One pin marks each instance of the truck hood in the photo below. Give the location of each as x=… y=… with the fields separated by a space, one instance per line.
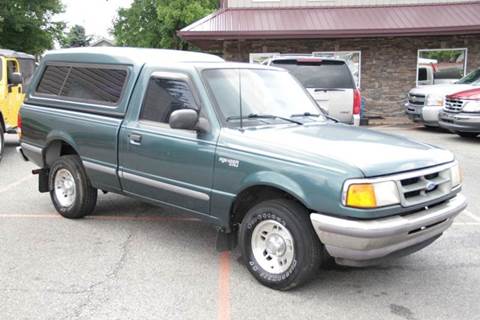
x=374 y=153
x=439 y=89
x=472 y=94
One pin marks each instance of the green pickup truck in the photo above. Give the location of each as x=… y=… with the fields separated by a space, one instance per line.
x=243 y=147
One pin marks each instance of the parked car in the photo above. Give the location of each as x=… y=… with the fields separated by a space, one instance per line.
x=425 y=103
x=241 y=146
x=329 y=81
x=461 y=113
x=16 y=69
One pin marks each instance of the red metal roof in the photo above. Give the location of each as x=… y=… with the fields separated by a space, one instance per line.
x=334 y=22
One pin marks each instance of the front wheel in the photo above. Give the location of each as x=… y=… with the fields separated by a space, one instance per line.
x=279 y=244
x=468 y=134
x=71 y=191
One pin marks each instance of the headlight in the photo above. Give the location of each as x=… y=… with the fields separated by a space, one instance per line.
x=456 y=175
x=472 y=106
x=371 y=195
x=434 y=100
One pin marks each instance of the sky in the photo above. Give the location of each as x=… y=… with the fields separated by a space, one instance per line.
x=95 y=15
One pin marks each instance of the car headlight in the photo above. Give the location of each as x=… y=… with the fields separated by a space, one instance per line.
x=370 y=195
x=456 y=175
x=434 y=100
x=471 y=106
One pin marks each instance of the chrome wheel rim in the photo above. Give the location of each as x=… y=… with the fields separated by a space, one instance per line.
x=272 y=246
x=65 y=190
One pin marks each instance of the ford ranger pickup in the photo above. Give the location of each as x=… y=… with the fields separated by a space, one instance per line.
x=243 y=147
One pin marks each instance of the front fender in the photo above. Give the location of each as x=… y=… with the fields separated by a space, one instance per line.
x=275 y=180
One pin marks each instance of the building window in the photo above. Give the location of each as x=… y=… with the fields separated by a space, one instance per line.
x=165 y=96
x=437 y=66
x=260 y=58
x=352 y=58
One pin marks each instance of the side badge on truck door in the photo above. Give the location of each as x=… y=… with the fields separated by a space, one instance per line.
x=230 y=162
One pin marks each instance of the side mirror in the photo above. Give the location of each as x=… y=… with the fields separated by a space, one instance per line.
x=186 y=119
x=15 y=78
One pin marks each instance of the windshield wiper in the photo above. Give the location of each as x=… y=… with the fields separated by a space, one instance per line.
x=308 y=114
x=263 y=116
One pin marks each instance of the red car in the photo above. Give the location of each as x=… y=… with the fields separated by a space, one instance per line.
x=461 y=113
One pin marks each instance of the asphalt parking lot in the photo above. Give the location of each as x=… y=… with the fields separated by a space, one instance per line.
x=134 y=261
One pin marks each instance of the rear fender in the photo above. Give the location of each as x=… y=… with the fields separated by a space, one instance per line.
x=53 y=146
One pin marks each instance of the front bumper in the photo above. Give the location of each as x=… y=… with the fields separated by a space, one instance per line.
x=428 y=115
x=361 y=243
x=460 y=122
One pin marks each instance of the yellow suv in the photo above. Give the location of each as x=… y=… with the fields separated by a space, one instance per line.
x=16 y=70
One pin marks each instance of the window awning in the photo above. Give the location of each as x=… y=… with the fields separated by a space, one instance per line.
x=336 y=22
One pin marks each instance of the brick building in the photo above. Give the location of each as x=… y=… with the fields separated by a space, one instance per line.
x=388 y=40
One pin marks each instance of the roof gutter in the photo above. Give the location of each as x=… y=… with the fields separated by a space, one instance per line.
x=310 y=34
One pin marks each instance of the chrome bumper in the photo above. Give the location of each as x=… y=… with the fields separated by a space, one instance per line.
x=461 y=122
x=421 y=113
x=361 y=243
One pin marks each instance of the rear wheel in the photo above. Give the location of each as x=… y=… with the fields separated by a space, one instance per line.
x=71 y=191
x=279 y=245
x=468 y=134
x=2 y=142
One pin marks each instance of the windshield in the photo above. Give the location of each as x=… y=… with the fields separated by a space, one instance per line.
x=471 y=78
x=324 y=74
x=271 y=93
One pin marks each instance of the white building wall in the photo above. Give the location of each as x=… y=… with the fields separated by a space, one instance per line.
x=312 y=3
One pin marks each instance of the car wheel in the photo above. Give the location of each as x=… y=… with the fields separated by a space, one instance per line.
x=279 y=245
x=468 y=134
x=2 y=142
x=70 y=190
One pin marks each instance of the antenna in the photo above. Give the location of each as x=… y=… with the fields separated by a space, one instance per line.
x=240 y=96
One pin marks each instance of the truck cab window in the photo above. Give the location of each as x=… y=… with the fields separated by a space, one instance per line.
x=165 y=96
x=422 y=74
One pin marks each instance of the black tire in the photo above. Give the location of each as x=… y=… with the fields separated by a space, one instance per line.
x=2 y=142
x=308 y=251
x=85 y=196
x=468 y=134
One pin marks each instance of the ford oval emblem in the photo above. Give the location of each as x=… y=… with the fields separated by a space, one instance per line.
x=430 y=186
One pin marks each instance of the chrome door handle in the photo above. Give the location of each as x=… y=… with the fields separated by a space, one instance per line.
x=135 y=139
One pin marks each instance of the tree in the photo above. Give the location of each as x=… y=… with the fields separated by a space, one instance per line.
x=154 y=23
x=75 y=37
x=28 y=26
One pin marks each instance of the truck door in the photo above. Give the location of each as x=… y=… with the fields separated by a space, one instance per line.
x=156 y=162
x=14 y=95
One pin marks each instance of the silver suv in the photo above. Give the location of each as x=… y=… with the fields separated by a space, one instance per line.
x=329 y=82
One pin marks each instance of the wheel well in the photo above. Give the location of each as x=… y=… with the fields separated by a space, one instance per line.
x=56 y=149
x=2 y=122
x=251 y=196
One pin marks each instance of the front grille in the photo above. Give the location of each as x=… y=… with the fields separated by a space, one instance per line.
x=416 y=99
x=424 y=185
x=453 y=105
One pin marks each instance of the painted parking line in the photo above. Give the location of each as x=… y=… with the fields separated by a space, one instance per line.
x=224 y=286
x=113 y=218
x=466 y=223
x=16 y=183
x=471 y=215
